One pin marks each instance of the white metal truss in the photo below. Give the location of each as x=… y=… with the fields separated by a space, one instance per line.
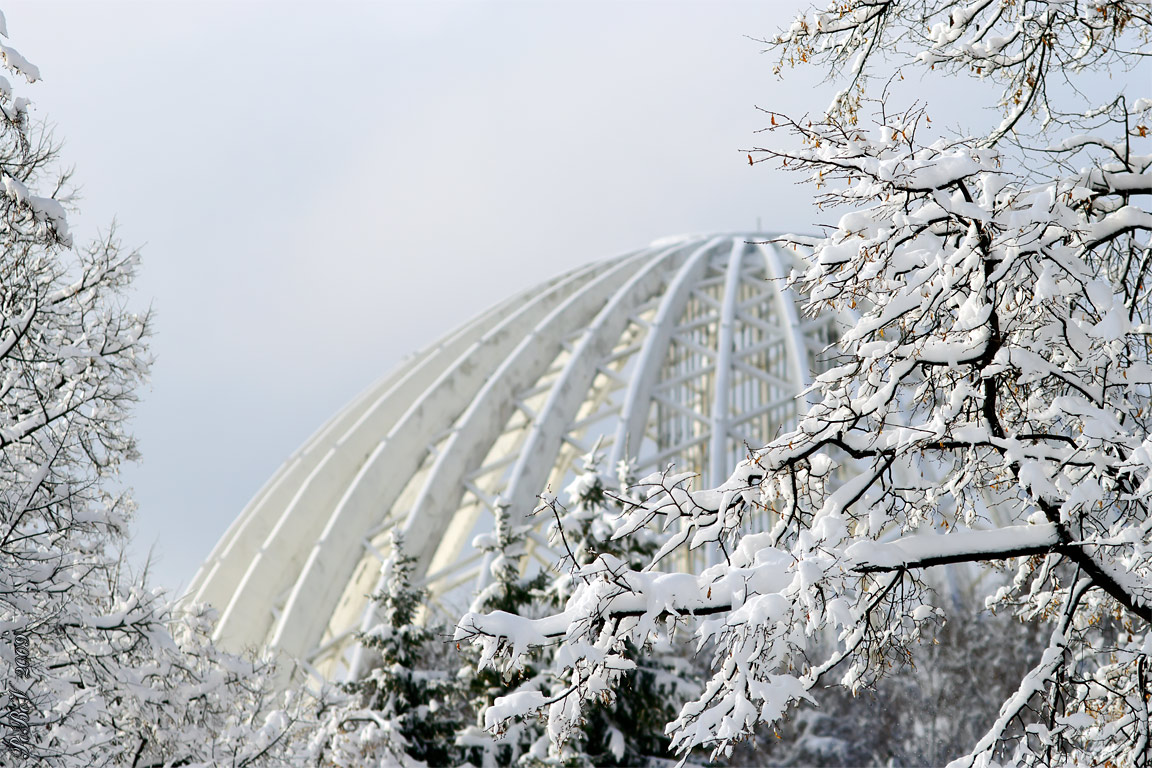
x=681 y=353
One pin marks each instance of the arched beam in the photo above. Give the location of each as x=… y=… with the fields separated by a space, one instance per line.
x=484 y=421
x=786 y=303
x=377 y=485
x=427 y=523
x=218 y=577
x=273 y=569
x=538 y=454
x=718 y=468
x=637 y=401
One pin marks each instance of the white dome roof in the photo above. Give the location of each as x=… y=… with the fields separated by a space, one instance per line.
x=681 y=353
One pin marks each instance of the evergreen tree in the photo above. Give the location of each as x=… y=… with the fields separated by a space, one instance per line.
x=406 y=711
x=625 y=728
x=509 y=591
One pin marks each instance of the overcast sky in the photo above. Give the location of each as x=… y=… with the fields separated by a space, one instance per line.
x=321 y=189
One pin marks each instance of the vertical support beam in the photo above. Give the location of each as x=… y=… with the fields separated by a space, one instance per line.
x=718 y=468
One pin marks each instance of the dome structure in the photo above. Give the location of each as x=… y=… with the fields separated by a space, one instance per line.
x=684 y=352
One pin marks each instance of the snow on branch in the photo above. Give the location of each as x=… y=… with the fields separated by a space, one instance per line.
x=955 y=547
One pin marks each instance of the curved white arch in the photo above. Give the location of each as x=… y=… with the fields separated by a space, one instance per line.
x=718 y=465
x=630 y=431
x=534 y=461
x=396 y=457
x=485 y=418
x=273 y=567
x=230 y=558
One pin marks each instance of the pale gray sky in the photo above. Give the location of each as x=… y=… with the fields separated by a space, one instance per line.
x=320 y=189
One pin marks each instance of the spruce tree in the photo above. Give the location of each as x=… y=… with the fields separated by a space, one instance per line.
x=406 y=711
x=626 y=728
x=511 y=592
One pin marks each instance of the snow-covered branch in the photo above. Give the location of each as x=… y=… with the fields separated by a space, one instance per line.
x=991 y=402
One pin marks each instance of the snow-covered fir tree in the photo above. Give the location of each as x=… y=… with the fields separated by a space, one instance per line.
x=407 y=710
x=624 y=727
x=990 y=405
x=508 y=590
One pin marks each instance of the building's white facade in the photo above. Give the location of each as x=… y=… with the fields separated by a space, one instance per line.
x=682 y=352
